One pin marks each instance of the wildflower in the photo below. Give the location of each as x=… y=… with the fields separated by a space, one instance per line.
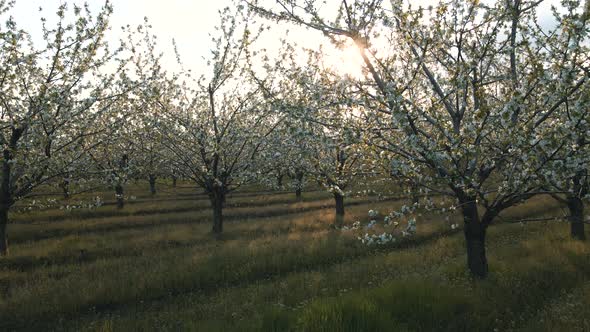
x=382 y=239
x=411 y=229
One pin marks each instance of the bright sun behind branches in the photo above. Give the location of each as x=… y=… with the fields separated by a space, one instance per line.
x=346 y=61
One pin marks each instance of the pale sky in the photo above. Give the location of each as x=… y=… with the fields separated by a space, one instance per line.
x=187 y=21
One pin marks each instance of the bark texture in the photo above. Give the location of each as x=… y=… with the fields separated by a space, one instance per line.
x=339 y=219
x=576 y=218
x=3 y=235
x=217 y=198
x=119 y=194
x=475 y=236
x=152 y=179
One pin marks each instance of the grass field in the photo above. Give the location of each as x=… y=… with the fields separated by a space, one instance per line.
x=279 y=266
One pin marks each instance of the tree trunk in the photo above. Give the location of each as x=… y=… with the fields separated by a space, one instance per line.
x=475 y=235
x=173 y=181
x=298 y=194
x=6 y=200
x=3 y=235
x=576 y=218
x=299 y=185
x=119 y=194
x=152 y=184
x=217 y=198
x=575 y=203
x=414 y=193
x=65 y=187
x=280 y=181
x=123 y=167
x=339 y=219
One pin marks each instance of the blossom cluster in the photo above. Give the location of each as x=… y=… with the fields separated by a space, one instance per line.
x=95 y=203
x=411 y=229
x=355 y=225
x=373 y=214
x=374 y=239
x=39 y=205
x=385 y=237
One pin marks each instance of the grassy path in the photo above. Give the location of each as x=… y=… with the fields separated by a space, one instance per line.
x=438 y=260
x=279 y=266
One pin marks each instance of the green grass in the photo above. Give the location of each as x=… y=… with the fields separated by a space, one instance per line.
x=279 y=266
x=511 y=298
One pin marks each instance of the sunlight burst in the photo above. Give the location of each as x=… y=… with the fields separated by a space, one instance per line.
x=346 y=61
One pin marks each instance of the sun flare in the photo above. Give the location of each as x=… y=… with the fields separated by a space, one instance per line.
x=346 y=61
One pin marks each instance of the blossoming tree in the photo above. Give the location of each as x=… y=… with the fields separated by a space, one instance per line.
x=217 y=124
x=50 y=96
x=323 y=134
x=457 y=91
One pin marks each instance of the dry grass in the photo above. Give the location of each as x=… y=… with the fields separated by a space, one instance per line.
x=279 y=266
